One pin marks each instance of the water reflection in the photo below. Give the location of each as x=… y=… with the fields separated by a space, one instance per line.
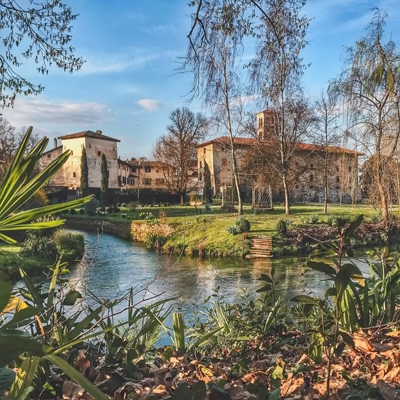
x=112 y=266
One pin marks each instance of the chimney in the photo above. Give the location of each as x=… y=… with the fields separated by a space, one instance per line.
x=99 y=132
x=55 y=142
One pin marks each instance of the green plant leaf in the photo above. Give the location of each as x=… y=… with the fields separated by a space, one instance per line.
x=24 y=378
x=77 y=377
x=71 y=298
x=352 y=227
x=274 y=395
x=14 y=342
x=321 y=267
x=341 y=282
x=5 y=294
x=304 y=299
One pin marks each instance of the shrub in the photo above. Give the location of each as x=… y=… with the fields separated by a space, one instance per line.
x=123 y=204
x=133 y=205
x=69 y=244
x=155 y=241
x=147 y=215
x=116 y=209
x=233 y=230
x=82 y=211
x=332 y=220
x=39 y=246
x=243 y=224
x=314 y=219
x=92 y=206
x=39 y=199
x=110 y=210
x=118 y=205
x=72 y=211
x=281 y=228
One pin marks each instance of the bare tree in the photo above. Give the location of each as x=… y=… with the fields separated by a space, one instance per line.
x=327 y=132
x=40 y=31
x=370 y=87
x=276 y=72
x=213 y=56
x=176 y=152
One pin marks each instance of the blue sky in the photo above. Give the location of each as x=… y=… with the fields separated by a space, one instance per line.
x=129 y=83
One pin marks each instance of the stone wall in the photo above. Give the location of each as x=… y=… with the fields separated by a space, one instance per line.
x=121 y=229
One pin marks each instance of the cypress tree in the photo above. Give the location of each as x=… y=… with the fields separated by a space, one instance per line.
x=104 y=178
x=207 y=191
x=84 y=173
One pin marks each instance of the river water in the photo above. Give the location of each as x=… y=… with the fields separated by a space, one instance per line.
x=111 y=266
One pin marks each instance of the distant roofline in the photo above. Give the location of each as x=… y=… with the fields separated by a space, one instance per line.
x=301 y=146
x=54 y=148
x=88 y=134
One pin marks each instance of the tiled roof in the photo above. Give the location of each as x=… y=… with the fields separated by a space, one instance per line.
x=51 y=150
x=225 y=140
x=88 y=134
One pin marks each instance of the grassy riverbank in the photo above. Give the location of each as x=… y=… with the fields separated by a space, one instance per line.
x=11 y=260
x=198 y=231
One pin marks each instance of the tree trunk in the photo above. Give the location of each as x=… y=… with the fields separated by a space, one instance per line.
x=230 y=129
x=384 y=202
x=326 y=185
x=182 y=198
x=286 y=191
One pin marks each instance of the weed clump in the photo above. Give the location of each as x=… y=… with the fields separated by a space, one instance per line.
x=281 y=228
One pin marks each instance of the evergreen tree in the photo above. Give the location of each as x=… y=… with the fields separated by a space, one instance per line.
x=84 y=173
x=104 y=178
x=207 y=192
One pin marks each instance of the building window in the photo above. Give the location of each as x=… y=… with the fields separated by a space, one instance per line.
x=311 y=178
x=160 y=181
x=260 y=122
x=311 y=166
x=133 y=169
x=224 y=162
x=113 y=148
x=146 y=181
x=200 y=176
x=49 y=155
x=124 y=180
x=90 y=146
x=131 y=181
x=99 y=153
x=200 y=164
x=337 y=179
x=337 y=169
x=74 y=174
x=147 y=170
x=71 y=153
x=350 y=168
x=204 y=150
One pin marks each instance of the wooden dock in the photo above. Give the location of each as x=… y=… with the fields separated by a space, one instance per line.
x=261 y=247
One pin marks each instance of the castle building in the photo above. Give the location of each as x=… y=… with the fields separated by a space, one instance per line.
x=96 y=144
x=307 y=174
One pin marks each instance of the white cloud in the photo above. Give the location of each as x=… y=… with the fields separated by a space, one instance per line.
x=149 y=104
x=42 y=113
x=131 y=59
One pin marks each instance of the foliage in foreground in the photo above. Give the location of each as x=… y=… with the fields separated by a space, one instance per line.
x=271 y=350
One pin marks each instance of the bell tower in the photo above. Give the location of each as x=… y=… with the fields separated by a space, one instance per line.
x=265 y=124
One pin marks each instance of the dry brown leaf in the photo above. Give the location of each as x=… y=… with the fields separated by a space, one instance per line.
x=362 y=343
x=290 y=386
x=395 y=334
x=82 y=363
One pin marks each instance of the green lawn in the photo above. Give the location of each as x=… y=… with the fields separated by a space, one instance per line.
x=11 y=261
x=196 y=228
